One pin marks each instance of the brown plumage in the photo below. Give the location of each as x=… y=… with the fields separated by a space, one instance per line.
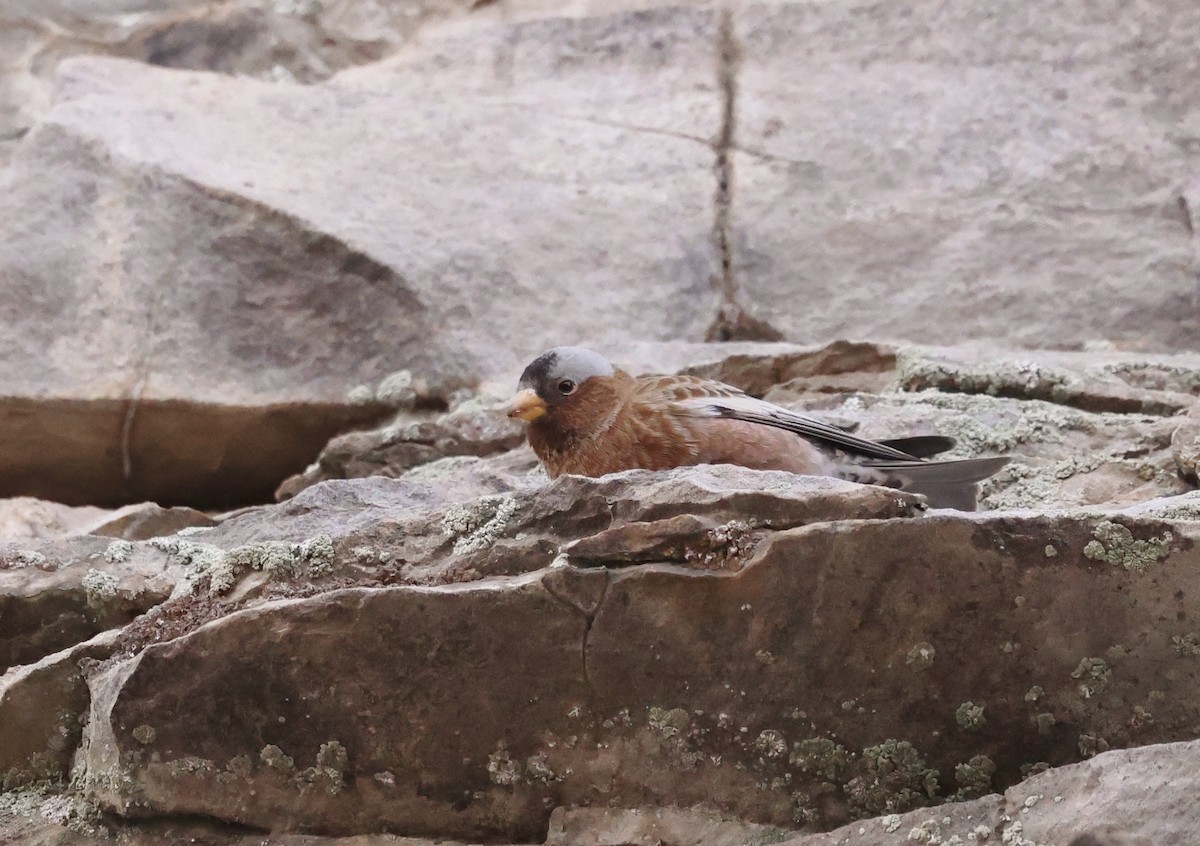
x=588 y=418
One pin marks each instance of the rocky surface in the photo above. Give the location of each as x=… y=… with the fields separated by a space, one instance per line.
x=259 y=250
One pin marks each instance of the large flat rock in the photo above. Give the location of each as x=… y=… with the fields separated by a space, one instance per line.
x=848 y=668
x=942 y=172
x=553 y=165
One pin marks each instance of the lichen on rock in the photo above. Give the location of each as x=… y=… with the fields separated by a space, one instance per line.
x=1115 y=544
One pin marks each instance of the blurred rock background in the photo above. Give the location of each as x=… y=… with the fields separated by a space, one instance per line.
x=263 y=250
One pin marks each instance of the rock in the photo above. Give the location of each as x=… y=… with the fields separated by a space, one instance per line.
x=266 y=39
x=377 y=532
x=1027 y=405
x=155 y=393
x=975 y=821
x=932 y=657
x=26 y=518
x=148 y=520
x=1126 y=797
x=475 y=428
x=41 y=706
x=652 y=826
x=940 y=173
x=55 y=594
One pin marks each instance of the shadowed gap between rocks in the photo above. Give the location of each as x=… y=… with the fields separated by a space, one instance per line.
x=179 y=453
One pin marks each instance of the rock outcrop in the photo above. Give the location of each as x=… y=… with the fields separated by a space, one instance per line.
x=274 y=568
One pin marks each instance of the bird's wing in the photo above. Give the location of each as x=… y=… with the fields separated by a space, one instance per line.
x=691 y=400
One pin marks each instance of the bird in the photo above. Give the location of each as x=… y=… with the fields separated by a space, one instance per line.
x=586 y=417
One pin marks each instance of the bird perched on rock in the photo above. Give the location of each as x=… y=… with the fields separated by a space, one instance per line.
x=588 y=418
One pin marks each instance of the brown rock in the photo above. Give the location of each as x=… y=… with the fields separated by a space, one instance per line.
x=56 y=594
x=784 y=693
x=653 y=826
x=41 y=710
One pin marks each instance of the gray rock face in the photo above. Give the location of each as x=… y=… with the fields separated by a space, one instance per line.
x=310 y=239
x=941 y=173
x=171 y=189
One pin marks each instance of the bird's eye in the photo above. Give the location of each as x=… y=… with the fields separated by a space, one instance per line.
x=566 y=386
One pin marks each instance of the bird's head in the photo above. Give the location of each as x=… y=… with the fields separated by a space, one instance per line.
x=557 y=383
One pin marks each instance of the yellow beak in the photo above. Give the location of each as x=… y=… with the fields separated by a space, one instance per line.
x=527 y=405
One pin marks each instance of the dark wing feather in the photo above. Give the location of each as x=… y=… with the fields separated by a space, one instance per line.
x=735 y=405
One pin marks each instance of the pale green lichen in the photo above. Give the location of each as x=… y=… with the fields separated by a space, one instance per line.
x=118 y=552
x=191 y=765
x=29 y=558
x=970 y=716
x=502 y=769
x=1115 y=544
x=330 y=770
x=537 y=768
x=241 y=766
x=1187 y=645
x=1183 y=507
x=280 y=560
x=822 y=758
x=274 y=757
x=48 y=802
x=1090 y=745
x=916 y=370
x=974 y=777
x=895 y=779
x=477 y=525
x=1043 y=722
x=144 y=734
x=771 y=743
x=1050 y=551
x=397 y=390
x=921 y=656
x=1094 y=675
x=668 y=723
x=99 y=586
x=1035 y=693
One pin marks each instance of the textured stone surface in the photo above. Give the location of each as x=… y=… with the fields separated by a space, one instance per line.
x=932 y=655
x=42 y=706
x=939 y=172
x=169 y=190
x=55 y=594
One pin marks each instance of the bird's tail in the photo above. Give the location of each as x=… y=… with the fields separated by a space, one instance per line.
x=946 y=484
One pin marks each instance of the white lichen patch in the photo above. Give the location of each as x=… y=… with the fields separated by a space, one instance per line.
x=668 y=722
x=970 y=716
x=144 y=734
x=29 y=558
x=502 y=769
x=63 y=809
x=920 y=656
x=477 y=525
x=1025 y=379
x=537 y=768
x=274 y=757
x=397 y=390
x=118 y=552
x=1115 y=544
x=771 y=743
x=1094 y=675
x=99 y=586
x=280 y=560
